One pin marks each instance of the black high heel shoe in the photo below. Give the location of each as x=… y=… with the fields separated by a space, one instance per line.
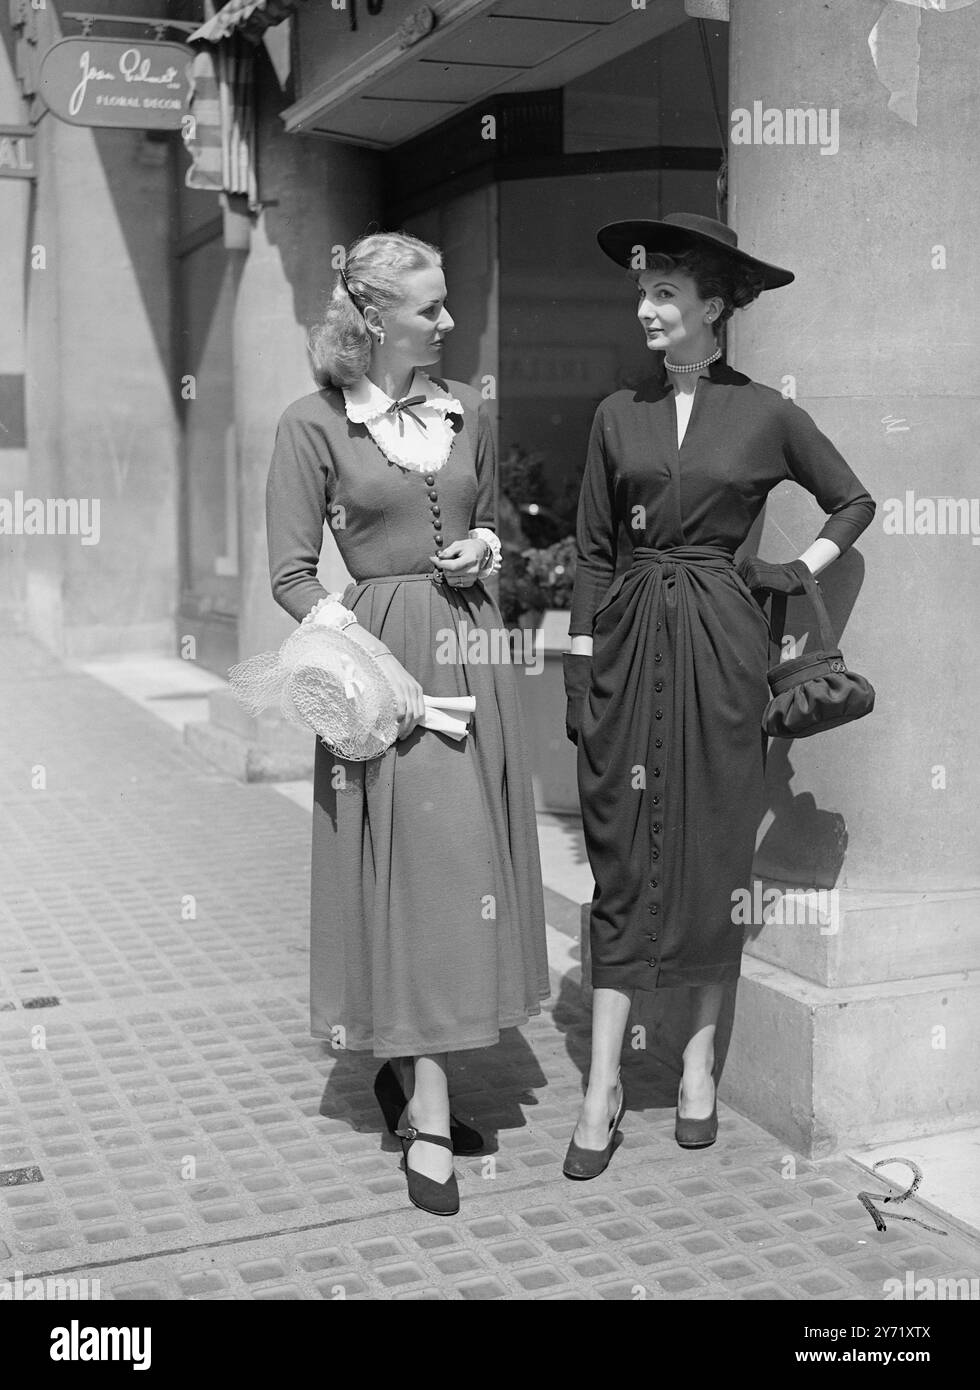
x=697 y=1134
x=589 y=1163
x=437 y=1198
x=391 y=1098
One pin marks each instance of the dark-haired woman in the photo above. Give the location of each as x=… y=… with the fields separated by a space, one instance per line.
x=427 y=921
x=666 y=678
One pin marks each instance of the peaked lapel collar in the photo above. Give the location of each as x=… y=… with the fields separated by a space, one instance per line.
x=655 y=397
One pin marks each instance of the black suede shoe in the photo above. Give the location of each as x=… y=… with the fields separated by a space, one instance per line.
x=697 y=1134
x=391 y=1098
x=437 y=1198
x=589 y=1163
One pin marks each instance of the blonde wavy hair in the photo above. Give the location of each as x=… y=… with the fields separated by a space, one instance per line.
x=339 y=345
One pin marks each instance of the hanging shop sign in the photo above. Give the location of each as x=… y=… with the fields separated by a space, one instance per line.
x=114 y=82
x=17 y=152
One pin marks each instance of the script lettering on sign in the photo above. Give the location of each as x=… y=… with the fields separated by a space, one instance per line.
x=133 y=67
x=114 y=82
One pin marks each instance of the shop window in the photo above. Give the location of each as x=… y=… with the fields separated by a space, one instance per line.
x=568 y=337
x=568 y=333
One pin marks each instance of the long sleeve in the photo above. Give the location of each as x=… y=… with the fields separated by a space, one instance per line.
x=484 y=510
x=813 y=461
x=484 y=519
x=597 y=532
x=297 y=496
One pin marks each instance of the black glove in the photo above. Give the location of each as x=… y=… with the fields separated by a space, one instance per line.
x=761 y=576
x=577 y=671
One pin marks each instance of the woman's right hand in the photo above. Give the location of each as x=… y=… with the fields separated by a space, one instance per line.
x=577 y=670
x=409 y=696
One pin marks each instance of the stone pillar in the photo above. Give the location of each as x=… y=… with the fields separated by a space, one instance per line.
x=860 y=1024
x=101 y=422
x=318 y=194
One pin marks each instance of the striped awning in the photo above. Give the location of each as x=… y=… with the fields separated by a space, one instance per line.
x=220 y=134
x=250 y=18
x=220 y=130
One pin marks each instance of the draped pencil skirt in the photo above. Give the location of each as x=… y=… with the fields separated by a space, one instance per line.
x=671 y=765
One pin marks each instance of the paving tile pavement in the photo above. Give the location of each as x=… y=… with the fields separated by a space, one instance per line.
x=168 y=1127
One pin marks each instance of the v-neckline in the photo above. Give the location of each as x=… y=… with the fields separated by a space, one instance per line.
x=679 y=443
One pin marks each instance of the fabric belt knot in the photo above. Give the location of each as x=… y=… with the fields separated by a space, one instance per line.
x=669 y=559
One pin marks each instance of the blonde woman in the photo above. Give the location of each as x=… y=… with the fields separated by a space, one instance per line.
x=427 y=919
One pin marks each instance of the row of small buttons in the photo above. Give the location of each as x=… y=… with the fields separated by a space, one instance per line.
x=434 y=507
x=656 y=827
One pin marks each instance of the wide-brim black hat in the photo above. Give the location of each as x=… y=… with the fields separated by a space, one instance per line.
x=682 y=231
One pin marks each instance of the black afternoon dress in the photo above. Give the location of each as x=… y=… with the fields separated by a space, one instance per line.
x=671 y=757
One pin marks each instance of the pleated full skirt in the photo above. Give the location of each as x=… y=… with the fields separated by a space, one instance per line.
x=427 y=916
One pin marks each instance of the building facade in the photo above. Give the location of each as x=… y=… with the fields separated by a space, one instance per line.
x=154 y=332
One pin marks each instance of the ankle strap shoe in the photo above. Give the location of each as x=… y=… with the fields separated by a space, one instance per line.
x=437 y=1198
x=391 y=1098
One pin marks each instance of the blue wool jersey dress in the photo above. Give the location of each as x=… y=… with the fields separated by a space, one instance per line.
x=427 y=915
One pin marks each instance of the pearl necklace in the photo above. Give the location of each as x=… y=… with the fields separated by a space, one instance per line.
x=692 y=366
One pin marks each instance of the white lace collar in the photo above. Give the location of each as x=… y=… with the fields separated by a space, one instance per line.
x=419 y=437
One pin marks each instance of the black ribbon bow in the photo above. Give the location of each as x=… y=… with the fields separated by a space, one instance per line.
x=404 y=407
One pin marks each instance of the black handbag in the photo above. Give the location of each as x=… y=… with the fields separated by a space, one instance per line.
x=815 y=691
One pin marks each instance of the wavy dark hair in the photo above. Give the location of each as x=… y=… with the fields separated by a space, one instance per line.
x=339 y=346
x=715 y=275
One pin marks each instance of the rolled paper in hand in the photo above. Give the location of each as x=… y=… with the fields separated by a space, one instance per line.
x=458 y=702
x=443 y=723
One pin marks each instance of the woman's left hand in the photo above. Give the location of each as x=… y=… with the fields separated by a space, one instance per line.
x=461 y=562
x=762 y=577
